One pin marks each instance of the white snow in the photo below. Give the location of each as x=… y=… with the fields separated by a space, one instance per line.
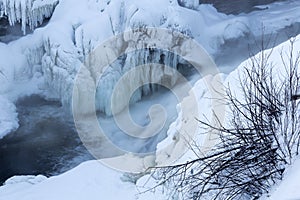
x=288 y=188
x=90 y=180
x=8 y=117
x=179 y=134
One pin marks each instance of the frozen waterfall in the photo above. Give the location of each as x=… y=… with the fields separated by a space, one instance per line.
x=153 y=72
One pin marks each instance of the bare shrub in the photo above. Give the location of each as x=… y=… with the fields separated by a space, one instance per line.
x=259 y=140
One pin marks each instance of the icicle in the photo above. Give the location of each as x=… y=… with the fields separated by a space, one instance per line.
x=152 y=73
x=28 y=12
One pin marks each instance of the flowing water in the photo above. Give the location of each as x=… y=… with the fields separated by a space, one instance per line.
x=46 y=141
x=238 y=6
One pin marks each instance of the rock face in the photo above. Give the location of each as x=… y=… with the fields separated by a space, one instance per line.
x=3 y=25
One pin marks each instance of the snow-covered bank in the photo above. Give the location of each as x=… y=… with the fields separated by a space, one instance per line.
x=90 y=180
x=279 y=60
x=232 y=81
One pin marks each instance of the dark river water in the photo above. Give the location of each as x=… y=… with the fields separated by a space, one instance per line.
x=46 y=142
x=237 y=6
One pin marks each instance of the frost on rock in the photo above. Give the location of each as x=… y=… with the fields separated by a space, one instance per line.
x=27 y=12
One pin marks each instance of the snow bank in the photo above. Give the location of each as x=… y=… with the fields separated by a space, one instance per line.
x=176 y=145
x=175 y=142
x=90 y=180
x=288 y=188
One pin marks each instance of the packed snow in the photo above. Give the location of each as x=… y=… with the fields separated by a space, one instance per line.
x=90 y=180
x=87 y=181
x=288 y=188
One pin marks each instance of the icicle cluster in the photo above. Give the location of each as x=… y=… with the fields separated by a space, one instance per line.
x=152 y=73
x=27 y=12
